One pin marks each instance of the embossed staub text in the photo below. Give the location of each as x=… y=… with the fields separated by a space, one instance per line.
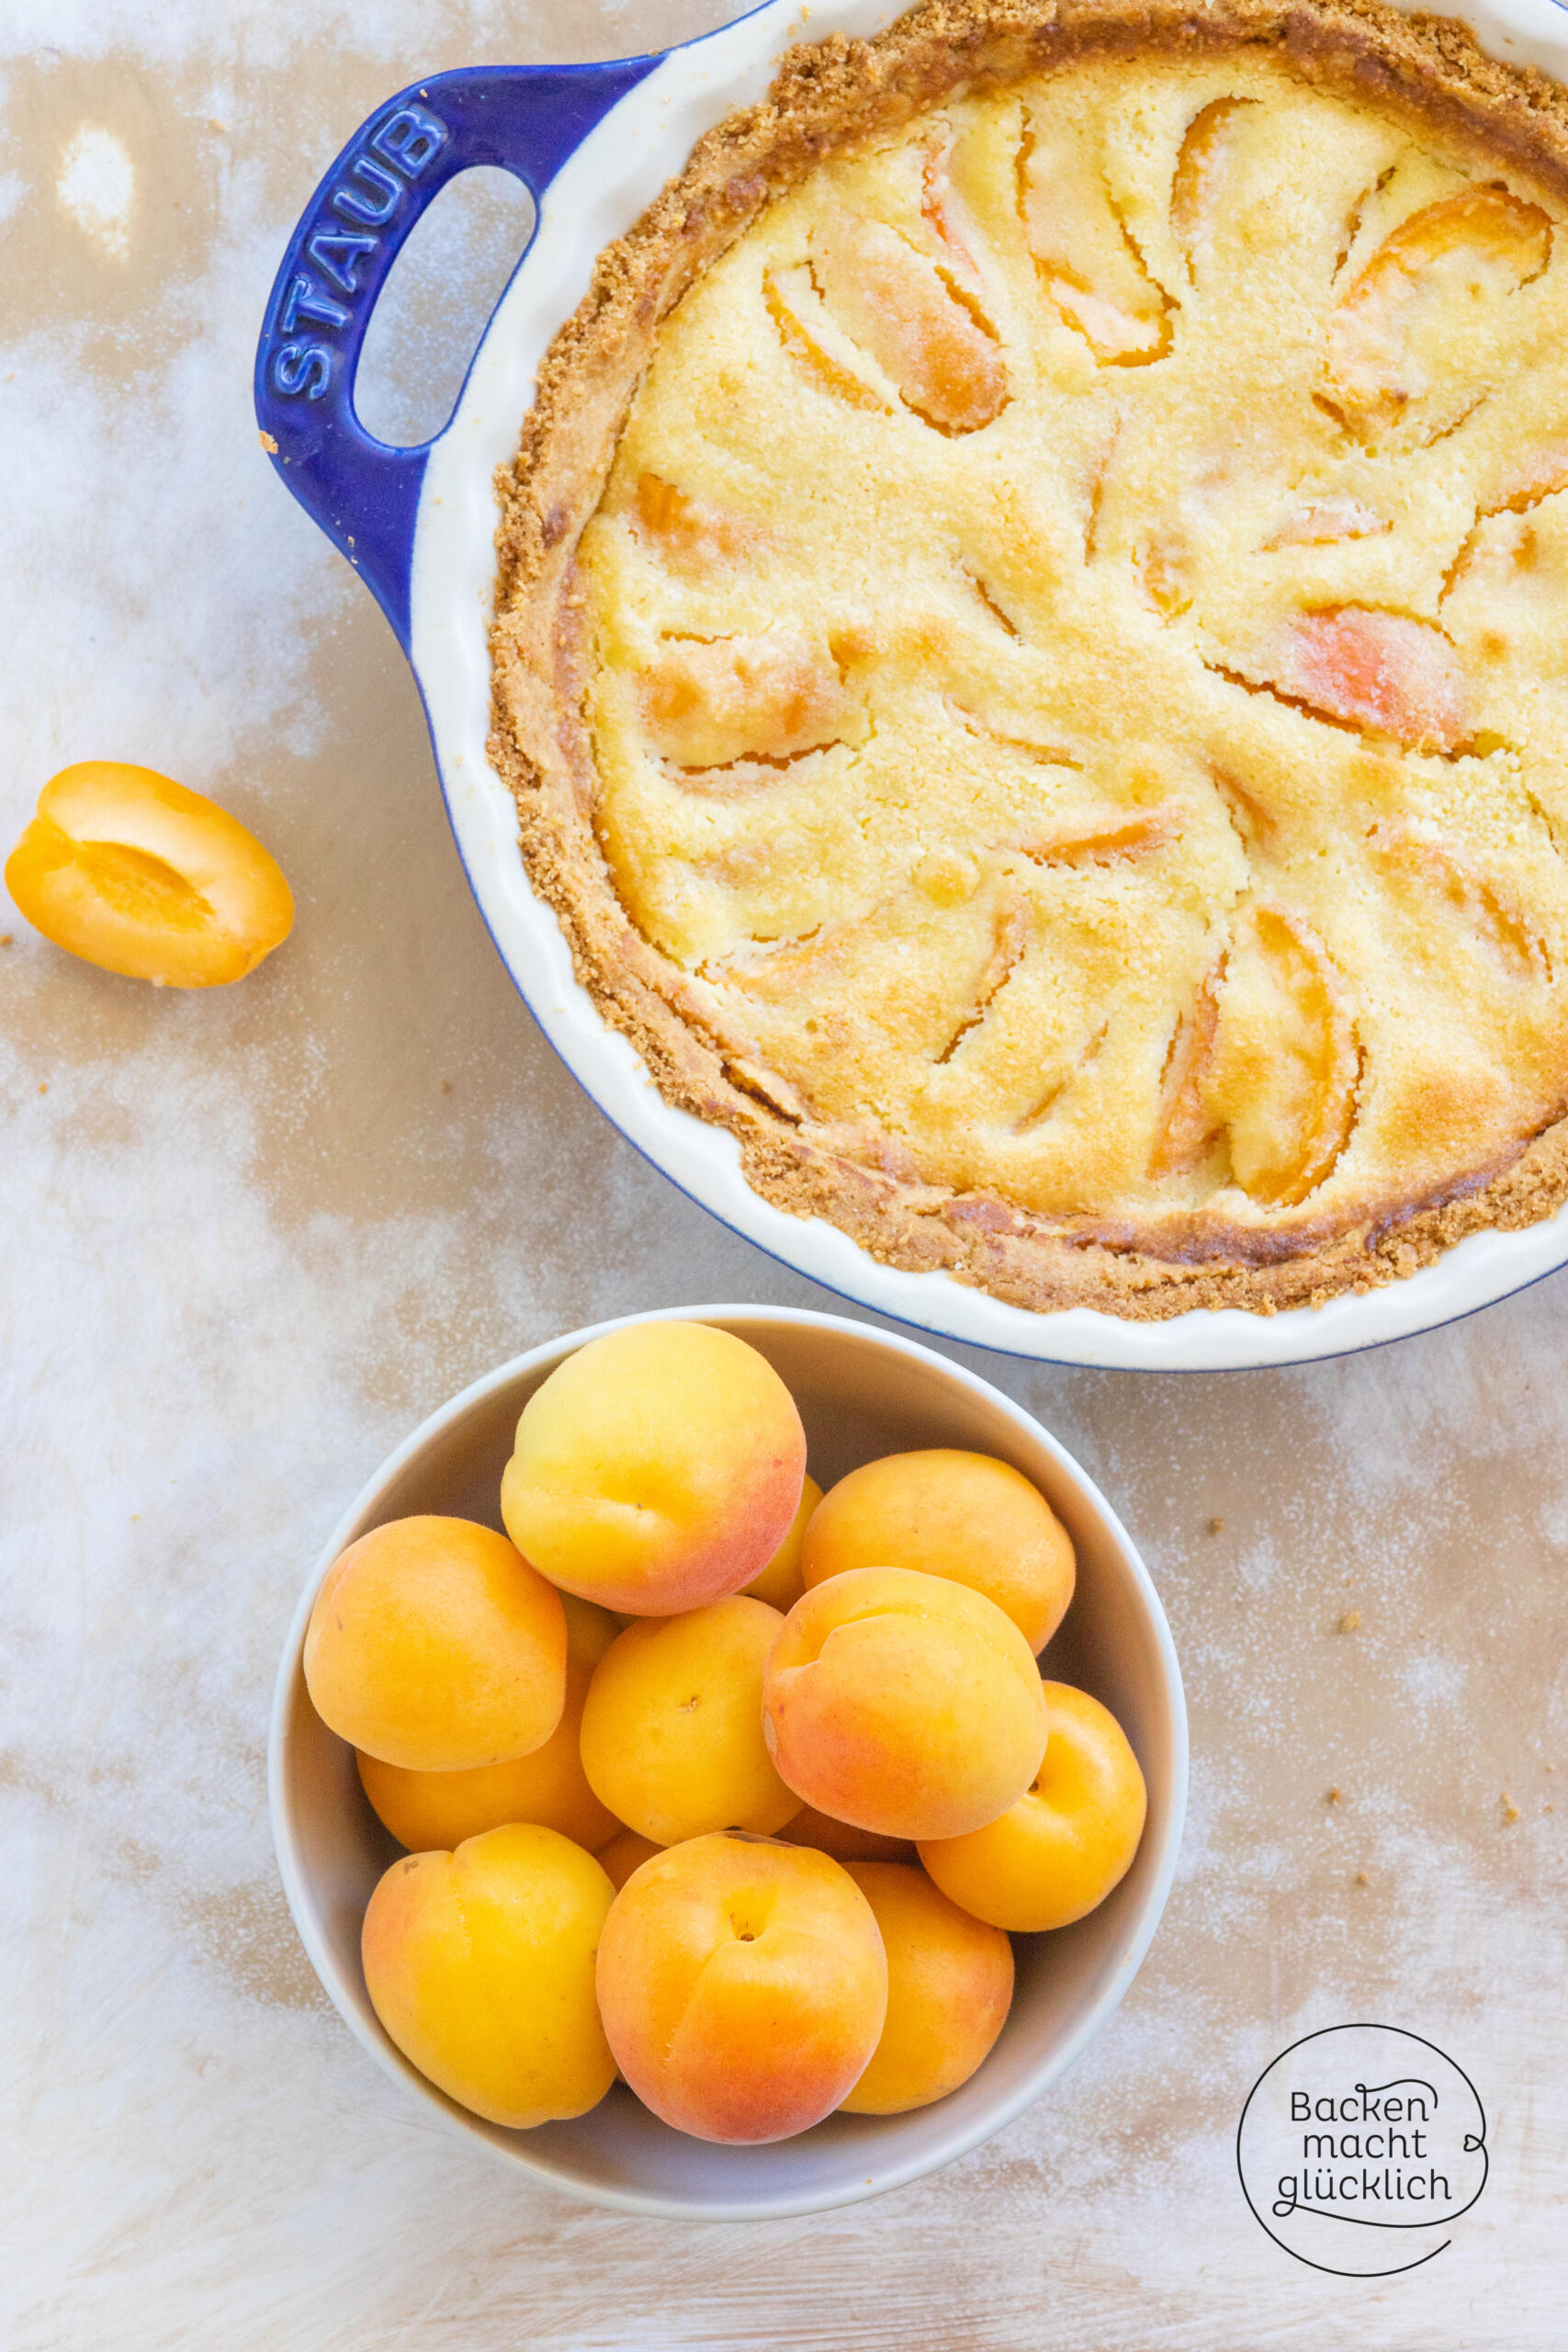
x=317 y=301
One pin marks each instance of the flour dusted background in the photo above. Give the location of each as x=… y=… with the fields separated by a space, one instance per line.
x=252 y=1237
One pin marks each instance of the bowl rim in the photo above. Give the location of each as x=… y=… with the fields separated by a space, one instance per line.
x=888 y=2173
x=618 y=167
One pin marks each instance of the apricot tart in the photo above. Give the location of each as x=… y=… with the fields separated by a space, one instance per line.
x=1032 y=645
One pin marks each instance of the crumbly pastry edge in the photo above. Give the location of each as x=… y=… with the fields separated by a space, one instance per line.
x=827 y=98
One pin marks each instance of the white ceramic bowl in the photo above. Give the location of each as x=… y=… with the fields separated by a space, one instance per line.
x=861 y=1392
x=441 y=602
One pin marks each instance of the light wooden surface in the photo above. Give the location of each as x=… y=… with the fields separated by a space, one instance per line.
x=250 y=1238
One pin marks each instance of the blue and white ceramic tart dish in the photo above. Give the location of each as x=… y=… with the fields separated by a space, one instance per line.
x=595 y=143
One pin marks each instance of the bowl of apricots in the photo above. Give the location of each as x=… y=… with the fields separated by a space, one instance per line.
x=728 y=1762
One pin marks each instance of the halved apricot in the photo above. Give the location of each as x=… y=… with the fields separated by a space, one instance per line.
x=130 y=871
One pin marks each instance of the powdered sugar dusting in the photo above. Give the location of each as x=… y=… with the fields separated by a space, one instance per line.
x=97 y=187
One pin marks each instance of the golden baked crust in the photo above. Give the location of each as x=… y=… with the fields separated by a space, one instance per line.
x=1251 y=996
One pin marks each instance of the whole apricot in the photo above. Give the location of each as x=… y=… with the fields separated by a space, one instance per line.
x=742 y=1985
x=480 y=1965
x=903 y=1704
x=549 y=1788
x=966 y=1516
x=625 y=1853
x=656 y=1469
x=434 y=1645
x=1058 y=1851
x=949 y=1990
x=134 y=873
x=781 y=1583
x=843 y=1841
x=589 y=1631
x=672 y=1729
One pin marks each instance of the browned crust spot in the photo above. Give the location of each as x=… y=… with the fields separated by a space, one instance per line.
x=825 y=99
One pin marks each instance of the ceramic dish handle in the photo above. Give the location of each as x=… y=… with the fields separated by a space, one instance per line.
x=363 y=493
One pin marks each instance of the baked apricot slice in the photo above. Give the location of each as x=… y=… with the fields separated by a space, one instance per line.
x=944 y=213
x=1185 y=1129
x=1012 y=932
x=809 y=335
x=1087 y=262
x=130 y=871
x=1120 y=838
x=1381 y=671
x=709 y=702
x=1385 y=336
x=894 y=304
x=1469 y=895
x=1323 y=521
x=1284 y=1069
x=1211 y=136
x=688 y=532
